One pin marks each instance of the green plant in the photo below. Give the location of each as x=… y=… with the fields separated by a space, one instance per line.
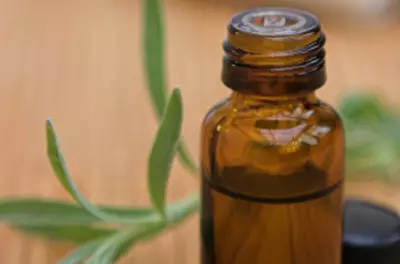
x=370 y=134
x=88 y=225
x=372 y=138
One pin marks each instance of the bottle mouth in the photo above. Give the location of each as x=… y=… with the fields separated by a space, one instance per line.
x=274 y=22
x=274 y=42
x=273 y=37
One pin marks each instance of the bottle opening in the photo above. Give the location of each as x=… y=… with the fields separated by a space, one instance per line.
x=273 y=22
x=274 y=51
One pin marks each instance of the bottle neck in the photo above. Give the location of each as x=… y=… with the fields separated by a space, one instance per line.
x=264 y=82
x=264 y=60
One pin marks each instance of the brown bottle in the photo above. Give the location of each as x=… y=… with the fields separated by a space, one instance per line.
x=272 y=153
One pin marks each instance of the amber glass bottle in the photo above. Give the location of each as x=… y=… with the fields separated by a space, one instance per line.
x=272 y=153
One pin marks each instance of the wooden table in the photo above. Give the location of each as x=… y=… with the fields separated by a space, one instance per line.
x=80 y=63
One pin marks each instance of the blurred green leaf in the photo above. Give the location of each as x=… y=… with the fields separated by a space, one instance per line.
x=154 y=64
x=58 y=163
x=116 y=245
x=50 y=216
x=163 y=151
x=107 y=252
x=63 y=222
x=154 y=57
x=81 y=253
x=113 y=247
x=182 y=210
x=37 y=212
x=376 y=157
x=362 y=107
x=372 y=138
x=393 y=131
x=77 y=234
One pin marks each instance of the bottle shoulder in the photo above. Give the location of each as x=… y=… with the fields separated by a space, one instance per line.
x=274 y=115
x=277 y=140
x=219 y=110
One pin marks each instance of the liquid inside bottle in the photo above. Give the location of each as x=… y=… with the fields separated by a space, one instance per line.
x=272 y=153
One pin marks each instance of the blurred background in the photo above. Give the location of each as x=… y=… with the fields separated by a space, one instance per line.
x=80 y=63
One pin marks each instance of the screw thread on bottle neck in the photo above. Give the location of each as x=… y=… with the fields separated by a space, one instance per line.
x=274 y=52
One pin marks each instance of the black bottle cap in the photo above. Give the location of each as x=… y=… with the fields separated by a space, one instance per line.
x=371 y=234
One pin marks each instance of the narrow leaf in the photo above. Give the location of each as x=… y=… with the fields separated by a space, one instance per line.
x=175 y=216
x=362 y=107
x=154 y=64
x=163 y=151
x=117 y=245
x=180 y=211
x=154 y=60
x=35 y=212
x=105 y=249
x=81 y=253
x=75 y=234
x=59 y=166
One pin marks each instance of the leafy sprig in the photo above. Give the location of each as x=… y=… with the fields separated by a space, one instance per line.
x=106 y=245
x=154 y=64
x=86 y=224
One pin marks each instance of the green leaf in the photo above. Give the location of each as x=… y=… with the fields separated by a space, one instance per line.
x=154 y=60
x=163 y=151
x=62 y=233
x=116 y=246
x=68 y=222
x=81 y=253
x=37 y=212
x=59 y=166
x=154 y=64
x=362 y=107
x=180 y=211
x=107 y=252
x=372 y=138
x=123 y=240
x=175 y=216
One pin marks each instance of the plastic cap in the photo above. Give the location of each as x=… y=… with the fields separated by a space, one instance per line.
x=371 y=234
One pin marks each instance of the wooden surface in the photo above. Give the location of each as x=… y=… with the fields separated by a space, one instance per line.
x=80 y=63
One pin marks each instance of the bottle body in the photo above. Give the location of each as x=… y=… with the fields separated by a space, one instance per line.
x=272 y=181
